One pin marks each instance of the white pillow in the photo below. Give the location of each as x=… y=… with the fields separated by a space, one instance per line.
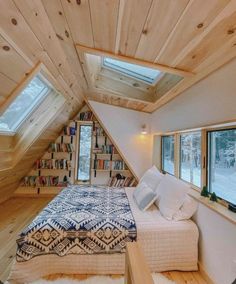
x=152 y=178
x=171 y=195
x=187 y=210
x=144 y=196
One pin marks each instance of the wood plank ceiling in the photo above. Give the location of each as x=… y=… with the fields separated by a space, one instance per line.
x=192 y=35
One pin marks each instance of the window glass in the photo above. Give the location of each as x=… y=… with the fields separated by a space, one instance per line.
x=222 y=163
x=84 y=159
x=146 y=74
x=190 y=158
x=168 y=154
x=23 y=104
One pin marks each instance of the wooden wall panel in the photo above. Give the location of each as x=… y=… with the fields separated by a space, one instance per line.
x=104 y=16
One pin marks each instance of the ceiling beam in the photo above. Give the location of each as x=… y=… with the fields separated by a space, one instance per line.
x=160 y=67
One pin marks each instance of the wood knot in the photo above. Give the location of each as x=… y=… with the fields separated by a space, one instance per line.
x=6 y=48
x=14 y=21
x=199 y=26
x=135 y=84
x=71 y=85
x=67 y=33
x=230 y=31
x=36 y=14
x=60 y=37
x=59 y=65
x=78 y=2
x=145 y=31
x=68 y=1
x=60 y=13
x=194 y=56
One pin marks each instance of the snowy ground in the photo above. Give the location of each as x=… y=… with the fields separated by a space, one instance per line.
x=223 y=183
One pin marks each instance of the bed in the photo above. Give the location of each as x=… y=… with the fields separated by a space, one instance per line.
x=167 y=245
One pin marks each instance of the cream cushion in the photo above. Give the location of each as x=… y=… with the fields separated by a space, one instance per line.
x=171 y=195
x=152 y=178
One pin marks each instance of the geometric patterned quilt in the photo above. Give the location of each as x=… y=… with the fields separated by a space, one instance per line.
x=80 y=220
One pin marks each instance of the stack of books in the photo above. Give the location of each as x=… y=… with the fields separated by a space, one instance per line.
x=102 y=164
x=41 y=181
x=98 y=131
x=122 y=182
x=60 y=164
x=86 y=116
x=70 y=131
x=118 y=165
x=57 y=147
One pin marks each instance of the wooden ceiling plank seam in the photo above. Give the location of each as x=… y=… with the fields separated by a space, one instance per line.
x=79 y=20
x=225 y=13
x=136 y=61
x=7 y=86
x=162 y=50
x=126 y=49
x=104 y=21
x=161 y=19
x=35 y=15
x=12 y=64
x=119 y=25
x=59 y=23
x=222 y=32
x=20 y=87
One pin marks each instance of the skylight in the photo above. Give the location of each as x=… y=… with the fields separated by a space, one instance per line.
x=23 y=105
x=148 y=75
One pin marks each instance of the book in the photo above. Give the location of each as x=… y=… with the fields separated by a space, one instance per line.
x=86 y=116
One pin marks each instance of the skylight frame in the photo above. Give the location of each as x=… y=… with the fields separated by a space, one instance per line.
x=41 y=96
x=131 y=74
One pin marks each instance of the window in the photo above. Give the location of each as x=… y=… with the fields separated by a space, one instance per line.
x=222 y=164
x=145 y=74
x=190 y=158
x=23 y=105
x=168 y=154
x=84 y=159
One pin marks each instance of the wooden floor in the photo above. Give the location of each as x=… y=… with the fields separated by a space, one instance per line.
x=16 y=213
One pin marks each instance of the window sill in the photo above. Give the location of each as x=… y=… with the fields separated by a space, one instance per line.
x=217 y=207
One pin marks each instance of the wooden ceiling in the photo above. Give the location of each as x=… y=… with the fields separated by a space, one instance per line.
x=194 y=36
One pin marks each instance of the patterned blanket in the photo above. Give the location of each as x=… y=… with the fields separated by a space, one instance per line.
x=80 y=220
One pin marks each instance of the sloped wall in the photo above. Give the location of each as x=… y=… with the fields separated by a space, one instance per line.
x=124 y=126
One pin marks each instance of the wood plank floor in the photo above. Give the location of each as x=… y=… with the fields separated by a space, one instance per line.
x=16 y=213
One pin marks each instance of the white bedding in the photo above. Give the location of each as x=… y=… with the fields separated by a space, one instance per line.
x=167 y=245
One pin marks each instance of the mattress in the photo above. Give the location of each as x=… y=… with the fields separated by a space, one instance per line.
x=167 y=245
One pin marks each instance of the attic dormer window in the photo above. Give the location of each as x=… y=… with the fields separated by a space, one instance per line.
x=148 y=75
x=23 y=104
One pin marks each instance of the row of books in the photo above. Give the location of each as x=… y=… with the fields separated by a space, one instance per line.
x=118 y=165
x=60 y=164
x=102 y=164
x=60 y=147
x=69 y=130
x=105 y=149
x=98 y=131
x=122 y=181
x=42 y=181
x=86 y=116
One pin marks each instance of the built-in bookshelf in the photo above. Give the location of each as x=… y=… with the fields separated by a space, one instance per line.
x=55 y=170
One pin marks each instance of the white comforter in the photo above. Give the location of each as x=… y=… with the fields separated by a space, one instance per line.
x=167 y=245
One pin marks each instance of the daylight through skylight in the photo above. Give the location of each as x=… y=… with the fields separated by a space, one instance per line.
x=23 y=105
x=139 y=72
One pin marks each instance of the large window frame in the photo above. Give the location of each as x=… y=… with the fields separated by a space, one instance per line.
x=208 y=157
x=34 y=105
x=79 y=124
x=162 y=153
x=180 y=156
x=204 y=153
